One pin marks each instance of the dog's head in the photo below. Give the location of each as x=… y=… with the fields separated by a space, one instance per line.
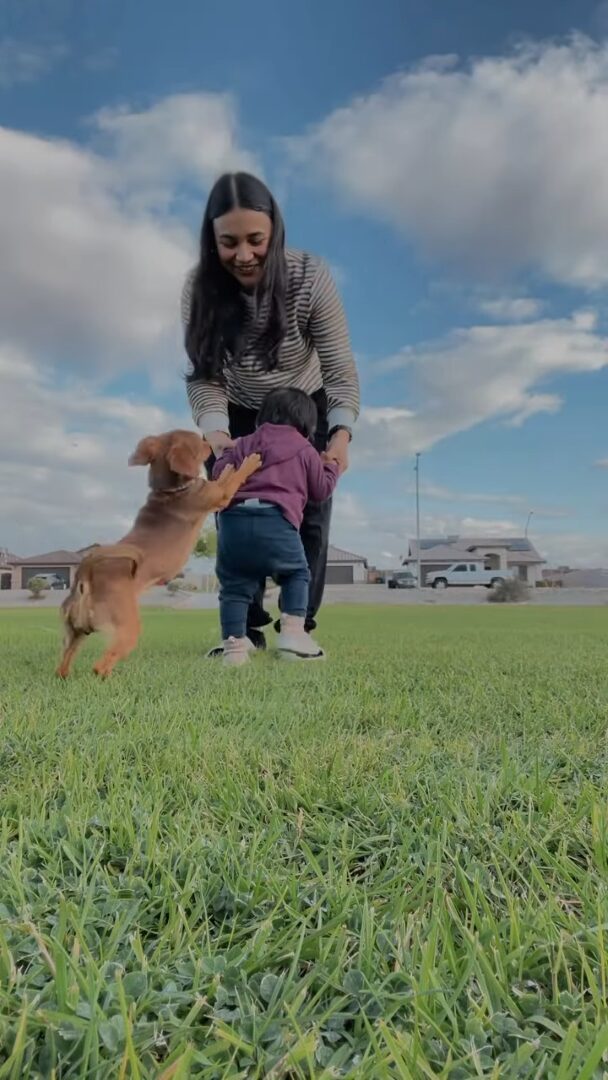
x=174 y=456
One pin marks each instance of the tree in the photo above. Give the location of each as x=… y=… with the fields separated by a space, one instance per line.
x=36 y=586
x=206 y=545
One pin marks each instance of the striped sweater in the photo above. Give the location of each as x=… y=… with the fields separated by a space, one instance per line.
x=315 y=353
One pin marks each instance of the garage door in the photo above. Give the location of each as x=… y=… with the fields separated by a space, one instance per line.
x=339 y=574
x=429 y=568
x=29 y=572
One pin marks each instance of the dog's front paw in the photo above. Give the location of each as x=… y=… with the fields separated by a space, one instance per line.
x=252 y=463
x=226 y=472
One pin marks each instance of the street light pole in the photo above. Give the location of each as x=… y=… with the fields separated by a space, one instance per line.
x=530 y=515
x=417 y=471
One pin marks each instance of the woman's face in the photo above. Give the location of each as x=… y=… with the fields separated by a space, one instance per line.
x=242 y=238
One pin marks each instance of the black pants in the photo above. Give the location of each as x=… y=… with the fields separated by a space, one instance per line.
x=315 y=526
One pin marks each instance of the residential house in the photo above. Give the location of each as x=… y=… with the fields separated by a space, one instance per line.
x=8 y=562
x=345 y=568
x=516 y=554
x=16 y=571
x=567 y=578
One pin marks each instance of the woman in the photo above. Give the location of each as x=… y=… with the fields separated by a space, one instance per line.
x=258 y=316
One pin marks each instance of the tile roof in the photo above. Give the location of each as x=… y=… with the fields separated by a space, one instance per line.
x=335 y=554
x=52 y=558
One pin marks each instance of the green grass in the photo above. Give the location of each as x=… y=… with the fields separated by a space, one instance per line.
x=391 y=865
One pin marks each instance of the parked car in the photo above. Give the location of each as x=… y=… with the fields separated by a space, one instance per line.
x=402 y=579
x=52 y=581
x=466 y=574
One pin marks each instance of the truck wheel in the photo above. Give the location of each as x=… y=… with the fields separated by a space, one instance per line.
x=440 y=583
x=496 y=581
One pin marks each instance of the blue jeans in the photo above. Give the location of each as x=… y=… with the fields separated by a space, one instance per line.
x=256 y=542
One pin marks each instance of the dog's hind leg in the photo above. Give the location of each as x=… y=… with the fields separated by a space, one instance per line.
x=72 y=642
x=125 y=636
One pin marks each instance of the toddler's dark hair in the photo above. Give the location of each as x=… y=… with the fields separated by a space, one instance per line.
x=286 y=405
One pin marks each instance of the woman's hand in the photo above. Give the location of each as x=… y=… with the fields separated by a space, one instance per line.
x=219 y=441
x=337 y=450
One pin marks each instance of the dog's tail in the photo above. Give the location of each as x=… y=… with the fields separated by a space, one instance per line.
x=78 y=609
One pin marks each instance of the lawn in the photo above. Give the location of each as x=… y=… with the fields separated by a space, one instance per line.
x=391 y=865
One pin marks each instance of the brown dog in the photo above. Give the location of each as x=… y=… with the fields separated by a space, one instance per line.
x=110 y=579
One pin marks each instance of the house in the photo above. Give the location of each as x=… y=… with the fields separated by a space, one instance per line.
x=7 y=569
x=568 y=578
x=492 y=552
x=345 y=568
x=16 y=572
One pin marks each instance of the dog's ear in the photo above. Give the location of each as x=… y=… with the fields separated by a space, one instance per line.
x=206 y=450
x=185 y=456
x=146 y=451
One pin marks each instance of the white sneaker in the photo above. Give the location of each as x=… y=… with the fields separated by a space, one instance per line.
x=217 y=652
x=236 y=651
x=294 y=643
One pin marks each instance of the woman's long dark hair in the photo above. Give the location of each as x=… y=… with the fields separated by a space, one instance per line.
x=216 y=309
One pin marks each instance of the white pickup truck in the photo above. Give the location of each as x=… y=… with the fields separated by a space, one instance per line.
x=462 y=574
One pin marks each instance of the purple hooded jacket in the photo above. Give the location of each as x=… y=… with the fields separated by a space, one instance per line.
x=292 y=472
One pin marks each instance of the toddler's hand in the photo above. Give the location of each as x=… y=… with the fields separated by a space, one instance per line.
x=338 y=458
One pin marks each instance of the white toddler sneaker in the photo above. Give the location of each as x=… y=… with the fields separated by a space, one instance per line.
x=236 y=651
x=294 y=643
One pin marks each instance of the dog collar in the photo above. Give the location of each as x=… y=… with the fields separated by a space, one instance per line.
x=179 y=489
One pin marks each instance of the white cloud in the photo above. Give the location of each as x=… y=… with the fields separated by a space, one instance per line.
x=24 y=62
x=511 y=309
x=90 y=279
x=378 y=536
x=602 y=463
x=380 y=533
x=575 y=549
x=89 y=272
x=473 y=526
x=521 y=503
x=498 y=164
x=478 y=374
x=375 y=530
x=64 y=480
x=83 y=279
x=184 y=138
x=384 y=433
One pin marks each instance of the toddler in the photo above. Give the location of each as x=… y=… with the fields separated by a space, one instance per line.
x=258 y=534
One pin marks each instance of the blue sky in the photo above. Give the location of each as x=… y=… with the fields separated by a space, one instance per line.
x=450 y=169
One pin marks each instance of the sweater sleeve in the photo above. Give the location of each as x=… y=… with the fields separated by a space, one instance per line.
x=322 y=476
x=208 y=400
x=331 y=339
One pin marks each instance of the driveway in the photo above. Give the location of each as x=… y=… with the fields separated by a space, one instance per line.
x=337 y=594
x=380 y=594
x=156 y=598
